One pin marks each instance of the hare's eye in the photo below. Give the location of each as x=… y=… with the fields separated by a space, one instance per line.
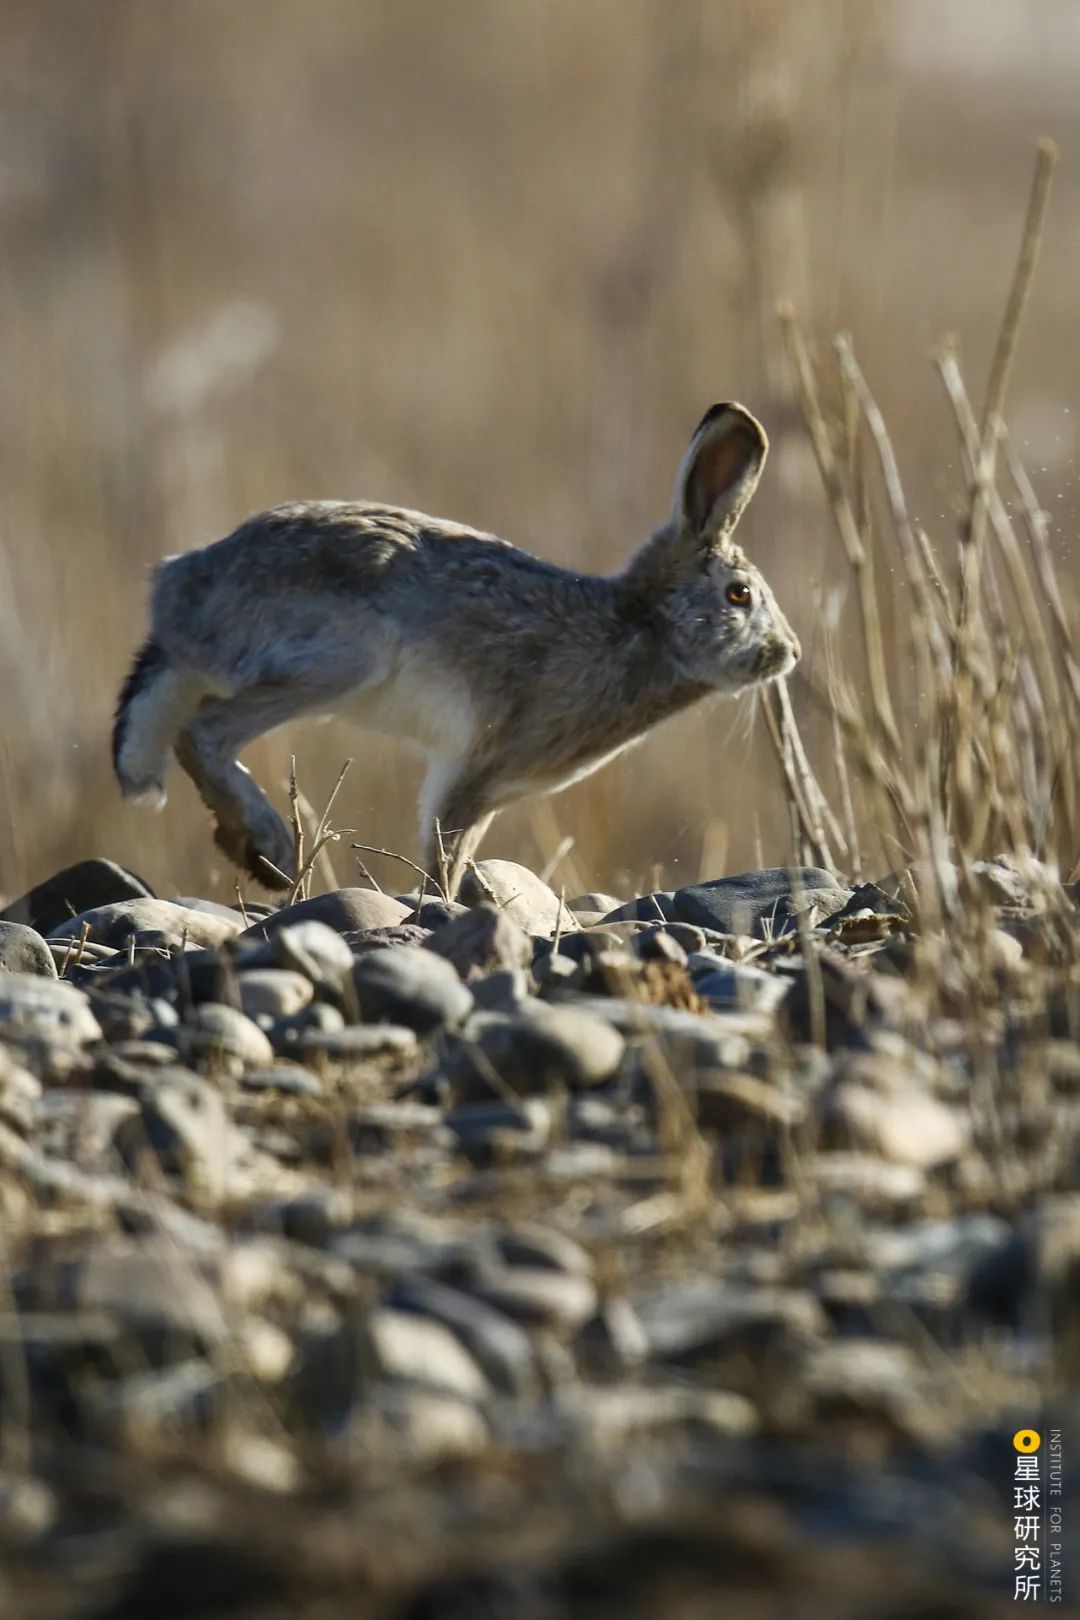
x=738 y=594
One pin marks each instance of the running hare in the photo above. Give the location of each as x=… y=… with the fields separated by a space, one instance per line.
x=514 y=676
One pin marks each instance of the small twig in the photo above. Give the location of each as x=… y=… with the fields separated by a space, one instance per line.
x=392 y=855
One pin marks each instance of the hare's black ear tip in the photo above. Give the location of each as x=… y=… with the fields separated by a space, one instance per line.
x=730 y=409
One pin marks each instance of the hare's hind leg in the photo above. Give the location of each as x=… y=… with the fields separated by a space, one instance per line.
x=249 y=830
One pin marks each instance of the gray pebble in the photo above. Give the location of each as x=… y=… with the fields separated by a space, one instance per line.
x=526 y=899
x=271 y=993
x=160 y=921
x=421 y=1350
x=409 y=987
x=23 y=950
x=482 y=941
x=342 y=910
x=38 y=1009
x=183 y=1126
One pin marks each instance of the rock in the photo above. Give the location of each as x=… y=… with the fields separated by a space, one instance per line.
x=404 y=1425
x=128 y=1017
x=502 y=992
x=155 y=921
x=492 y=1131
x=37 y=1009
x=659 y=944
x=737 y=1102
x=876 y=1104
x=705 y=1320
x=763 y=903
x=77 y=889
x=533 y=1050
x=376 y=939
x=214 y=908
x=222 y=1037
x=611 y=1416
x=313 y=949
x=409 y=987
x=272 y=992
x=865 y=1382
x=22 y=950
x=165 y=1296
x=685 y=1041
x=736 y=985
x=604 y=904
x=542 y=1248
x=433 y=914
x=658 y=907
x=513 y=889
x=360 y=1043
x=499 y=1346
x=872 y=899
x=183 y=1126
x=866 y=1180
x=537 y=1296
x=482 y=941
x=420 y=1350
x=20 y=1094
x=343 y=910
x=288 y=1079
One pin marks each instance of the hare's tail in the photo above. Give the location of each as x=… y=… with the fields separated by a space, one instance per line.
x=154 y=702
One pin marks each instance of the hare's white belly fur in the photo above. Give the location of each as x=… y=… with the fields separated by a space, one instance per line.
x=417 y=701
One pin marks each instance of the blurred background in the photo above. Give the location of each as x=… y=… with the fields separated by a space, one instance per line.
x=493 y=261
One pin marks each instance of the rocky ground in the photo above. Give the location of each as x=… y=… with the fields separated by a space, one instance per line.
x=693 y=1254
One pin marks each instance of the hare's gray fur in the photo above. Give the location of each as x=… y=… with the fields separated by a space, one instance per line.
x=514 y=676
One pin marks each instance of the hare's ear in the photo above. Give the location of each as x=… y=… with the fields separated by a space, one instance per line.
x=719 y=474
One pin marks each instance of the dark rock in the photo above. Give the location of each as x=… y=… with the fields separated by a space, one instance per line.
x=762 y=903
x=650 y=908
x=413 y=988
x=76 y=889
x=435 y=914
x=22 y=950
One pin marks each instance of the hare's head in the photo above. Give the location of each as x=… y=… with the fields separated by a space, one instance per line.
x=731 y=633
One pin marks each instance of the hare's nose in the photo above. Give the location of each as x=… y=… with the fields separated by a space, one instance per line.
x=796 y=647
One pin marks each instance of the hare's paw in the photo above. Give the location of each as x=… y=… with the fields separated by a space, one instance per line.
x=264 y=850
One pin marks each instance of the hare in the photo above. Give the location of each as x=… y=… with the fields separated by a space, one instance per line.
x=513 y=675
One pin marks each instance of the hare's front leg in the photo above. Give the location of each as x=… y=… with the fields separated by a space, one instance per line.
x=457 y=803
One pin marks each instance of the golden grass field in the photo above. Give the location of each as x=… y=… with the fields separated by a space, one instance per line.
x=493 y=261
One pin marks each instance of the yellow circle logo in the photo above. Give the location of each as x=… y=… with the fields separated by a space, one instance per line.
x=1027 y=1440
